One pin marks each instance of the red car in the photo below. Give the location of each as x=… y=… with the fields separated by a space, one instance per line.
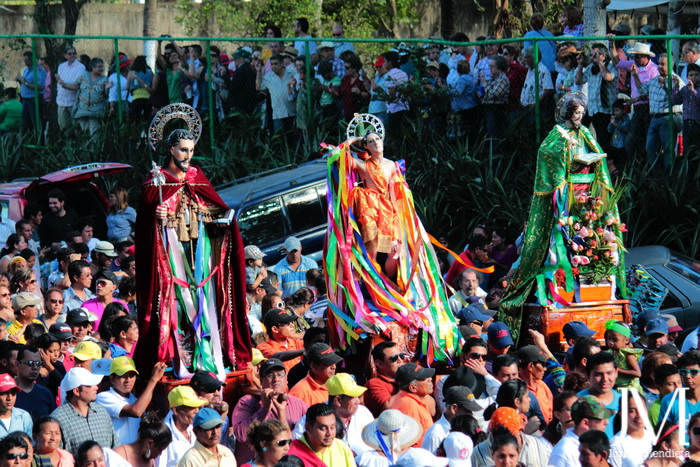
x=85 y=190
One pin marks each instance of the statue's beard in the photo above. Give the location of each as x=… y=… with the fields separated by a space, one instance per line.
x=179 y=165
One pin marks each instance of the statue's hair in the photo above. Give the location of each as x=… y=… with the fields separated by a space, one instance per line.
x=171 y=141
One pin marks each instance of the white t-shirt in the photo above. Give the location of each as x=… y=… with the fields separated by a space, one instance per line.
x=115 y=460
x=179 y=445
x=127 y=428
x=565 y=453
x=69 y=74
x=113 y=90
x=436 y=434
x=626 y=451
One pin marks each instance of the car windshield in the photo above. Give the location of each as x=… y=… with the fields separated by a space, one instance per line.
x=686 y=267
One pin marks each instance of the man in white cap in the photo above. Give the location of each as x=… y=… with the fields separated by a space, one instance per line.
x=292 y=269
x=80 y=417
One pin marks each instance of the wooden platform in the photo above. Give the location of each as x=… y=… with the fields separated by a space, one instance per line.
x=550 y=321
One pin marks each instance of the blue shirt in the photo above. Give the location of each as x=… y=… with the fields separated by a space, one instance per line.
x=546 y=48
x=119 y=223
x=25 y=91
x=20 y=420
x=291 y=280
x=614 y=405
x=464 y=93
x=673 y=412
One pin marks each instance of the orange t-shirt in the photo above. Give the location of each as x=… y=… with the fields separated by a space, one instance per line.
x=270 y=347
x=309 y=391
x=544 y=397
x=412 y=405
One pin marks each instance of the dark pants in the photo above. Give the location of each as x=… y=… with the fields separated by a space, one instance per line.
x=495 y=119
x=600 y=122
x=29 y=114
x=635 y=141
x=691 y=143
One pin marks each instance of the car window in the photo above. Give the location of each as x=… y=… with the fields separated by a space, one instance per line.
x=686 y=267
x=5 y=205
x=263 y=222
x=304 y=210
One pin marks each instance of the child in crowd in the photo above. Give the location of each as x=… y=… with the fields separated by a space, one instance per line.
x=255 y=270
x=619 y=123
x=617 y=338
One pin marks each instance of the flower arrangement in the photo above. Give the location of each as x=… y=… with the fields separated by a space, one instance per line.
x=592 y=232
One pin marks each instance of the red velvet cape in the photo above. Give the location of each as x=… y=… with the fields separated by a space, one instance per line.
x=154 y=278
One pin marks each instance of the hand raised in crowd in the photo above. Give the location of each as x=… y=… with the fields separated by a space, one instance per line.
x=46 y=360
x=158 y=371
x=633 y=70
x=477 y=366
x=582 y=61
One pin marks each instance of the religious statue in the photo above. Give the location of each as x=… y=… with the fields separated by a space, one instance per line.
x=382 y=272
x=573 y=235
x=191 y=272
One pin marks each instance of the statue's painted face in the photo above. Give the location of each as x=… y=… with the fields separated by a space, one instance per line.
x=577 y=116
x=182 y=154
x=374 y=144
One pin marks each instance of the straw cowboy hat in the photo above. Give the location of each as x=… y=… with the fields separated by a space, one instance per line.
x=641 y=48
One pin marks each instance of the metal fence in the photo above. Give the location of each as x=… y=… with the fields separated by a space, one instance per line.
x=429 y=95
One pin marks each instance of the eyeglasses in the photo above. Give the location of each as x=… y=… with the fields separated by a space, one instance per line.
x=397 y=357
x=13 y=456
x=283 y=442
x=33 y=363
x=337 y=34
x=693 y=372
x=272 y=376
x=505 y=52
x=478 y=323
x=477 y=356
x=56 y=301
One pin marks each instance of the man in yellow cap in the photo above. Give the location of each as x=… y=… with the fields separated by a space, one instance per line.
x=344 y=397
x=184 y=405
x=123 y=407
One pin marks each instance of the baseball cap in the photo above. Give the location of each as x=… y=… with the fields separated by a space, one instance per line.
x=185 y=395
x=326 y=45
x=344 y=384
x=467 y=331
x=275 y=317
x=207 y=419
x=471 y=314
x=322 y=353
x=101 y=366
x=61 y=331
x=267 y=285
x=253 y=252
x=379 y=61
x=409 y=372
x=80 y=315
x=105 y=248
x=270 y=364
x=531 y=354
x=432 y=64
x=77 y=377
x=458 y=449
x=257 y=358
x=645 y=316
x=462 y=396
x=591 y=407
x=122 y=365
x=673 y=325
x=107 y=274
x=242 y=53
x=291 y=244
x=574 y=329
x=205 y=381
x=7 y=382
x=499 y=335
x=669 y=349
x=87 y=350
x=656 y=326
x=24 y=299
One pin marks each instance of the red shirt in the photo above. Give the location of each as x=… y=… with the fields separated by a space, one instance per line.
x=379 y=391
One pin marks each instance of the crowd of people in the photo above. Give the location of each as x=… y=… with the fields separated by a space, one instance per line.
x=452 y=91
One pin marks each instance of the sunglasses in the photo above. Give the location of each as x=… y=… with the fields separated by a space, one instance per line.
x=478 y=323
x=477 y=356
x=696 y=431
x=55 y=300
x=4 y=295
x=33 y=281
x=103 y=283
x=280 y=305
x=283 y=442
x=11 y=457
x=337 y=35
x=689 y=372
x=397 y=357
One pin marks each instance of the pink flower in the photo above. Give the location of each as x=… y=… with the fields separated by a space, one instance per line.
x=576 y=260
x=595 y=257
x=585 y=261
x=583 y=232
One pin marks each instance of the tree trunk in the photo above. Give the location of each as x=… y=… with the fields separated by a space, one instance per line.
x=675 y=20
x=448 y=11
x=150 y=9
x=594 y=16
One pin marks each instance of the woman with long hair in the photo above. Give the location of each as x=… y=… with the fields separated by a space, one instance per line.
x=52 y=371
x=121 y=217
x=514 y=394
x=24 y=280
x=503 y=252
x=561 y=421
x=13 y=246
x=140 y=79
